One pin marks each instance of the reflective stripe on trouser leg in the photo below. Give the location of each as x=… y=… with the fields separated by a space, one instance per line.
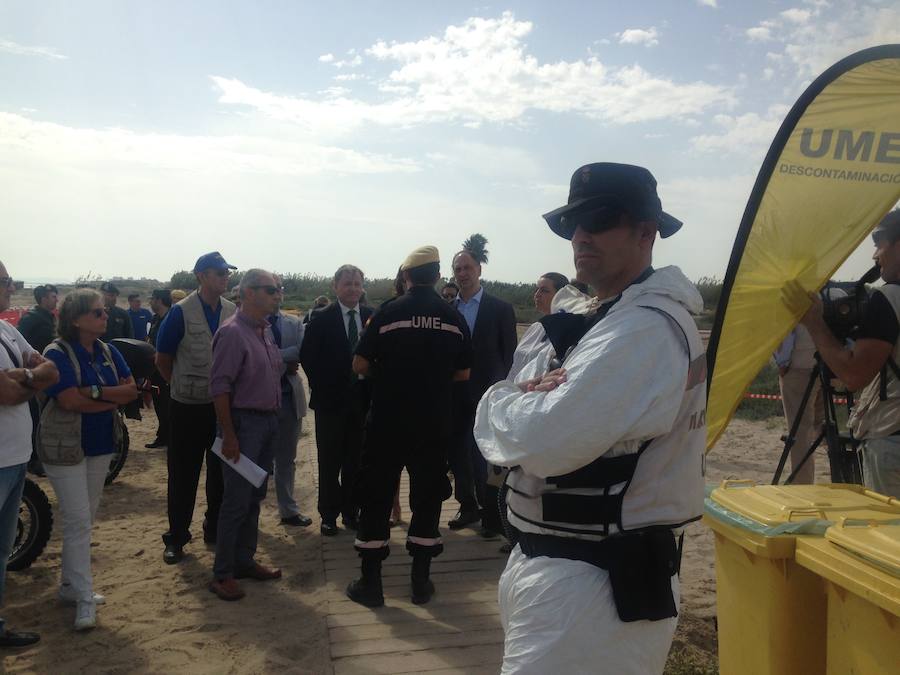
x=377 y=549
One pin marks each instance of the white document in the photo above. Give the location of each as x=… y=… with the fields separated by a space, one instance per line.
x=247 y=468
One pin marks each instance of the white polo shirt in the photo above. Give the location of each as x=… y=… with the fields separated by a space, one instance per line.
x=15 y=420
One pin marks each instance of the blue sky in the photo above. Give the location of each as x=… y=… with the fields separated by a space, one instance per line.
x=300 y=136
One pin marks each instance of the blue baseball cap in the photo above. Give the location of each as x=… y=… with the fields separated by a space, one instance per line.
x=212 y=261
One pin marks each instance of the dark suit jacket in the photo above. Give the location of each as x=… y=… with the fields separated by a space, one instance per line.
x=326 y=359
x=494 y=342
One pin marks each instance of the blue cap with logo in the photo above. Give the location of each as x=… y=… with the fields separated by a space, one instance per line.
x=212 y=261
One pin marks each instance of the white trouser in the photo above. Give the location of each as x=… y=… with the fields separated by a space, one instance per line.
x=559 y=617
x=78 y=489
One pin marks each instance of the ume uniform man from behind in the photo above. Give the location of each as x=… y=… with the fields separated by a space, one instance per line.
x=604 y=429
x=413 y=350
x=871 y=364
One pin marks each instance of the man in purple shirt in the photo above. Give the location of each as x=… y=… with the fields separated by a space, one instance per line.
x=245 y=384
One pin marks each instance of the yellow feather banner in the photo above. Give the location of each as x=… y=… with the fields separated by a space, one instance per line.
x=832 y=173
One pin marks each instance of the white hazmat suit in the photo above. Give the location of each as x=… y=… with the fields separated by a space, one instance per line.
x=626 y=385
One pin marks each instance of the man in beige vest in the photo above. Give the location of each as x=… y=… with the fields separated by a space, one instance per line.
x=183 y=358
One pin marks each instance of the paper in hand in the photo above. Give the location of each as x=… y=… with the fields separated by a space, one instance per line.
x=245 y=467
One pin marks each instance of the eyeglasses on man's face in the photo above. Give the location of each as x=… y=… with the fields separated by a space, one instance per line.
x=7 y=282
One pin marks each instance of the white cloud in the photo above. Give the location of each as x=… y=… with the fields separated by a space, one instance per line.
x=813 y=39
x=813 y=47
x=349 y=63
x=708 y=3
x=796 y=15
x=748 y=134
x=648 y=37
x=23 y=140
x=761 y=33
x=480 y=72
x=326 y=58
x=768 y=74
x=510 y=164
x=11 y=47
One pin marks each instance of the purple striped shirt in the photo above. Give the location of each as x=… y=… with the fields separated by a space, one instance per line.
x=247 y=364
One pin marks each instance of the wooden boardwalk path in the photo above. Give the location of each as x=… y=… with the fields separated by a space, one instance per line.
x=457 y=632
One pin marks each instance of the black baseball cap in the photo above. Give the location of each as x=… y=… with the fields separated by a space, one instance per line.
x=888 y=228
x=623 y=187
x=212 y=261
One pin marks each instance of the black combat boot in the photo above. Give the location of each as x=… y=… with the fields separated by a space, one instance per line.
x=422 y=586
x=367 y=589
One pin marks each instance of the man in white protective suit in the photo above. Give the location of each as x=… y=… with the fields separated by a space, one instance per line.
x=604 y=430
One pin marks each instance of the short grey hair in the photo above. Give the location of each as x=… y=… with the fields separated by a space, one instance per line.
x=252 y=277
x=77 y=304
x=348 y=269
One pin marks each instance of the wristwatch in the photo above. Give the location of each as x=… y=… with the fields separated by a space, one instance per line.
x=29 y=378
x=96 y=392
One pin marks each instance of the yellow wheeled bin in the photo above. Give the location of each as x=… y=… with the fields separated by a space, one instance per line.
x=771 y=611
x=860 y=563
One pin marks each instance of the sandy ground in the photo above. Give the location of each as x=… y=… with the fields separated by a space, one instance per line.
x=161 y=618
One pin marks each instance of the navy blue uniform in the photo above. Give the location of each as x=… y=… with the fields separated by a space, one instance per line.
x=414 y=344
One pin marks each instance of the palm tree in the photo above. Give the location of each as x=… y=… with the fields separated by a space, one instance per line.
x=475 y=246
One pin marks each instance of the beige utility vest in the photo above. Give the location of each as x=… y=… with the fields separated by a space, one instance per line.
x=872 y=417
x=190 y=373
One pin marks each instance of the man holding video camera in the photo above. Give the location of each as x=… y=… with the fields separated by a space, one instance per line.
x=871 y=364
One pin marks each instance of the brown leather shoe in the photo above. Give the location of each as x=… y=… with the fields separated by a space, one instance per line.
x=226 y=589
x=259 y=572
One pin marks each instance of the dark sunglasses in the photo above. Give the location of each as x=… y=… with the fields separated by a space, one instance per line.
x=98 y=312
x=594 y=222
x=6 y=281
x=222 y=273
x=270 y=290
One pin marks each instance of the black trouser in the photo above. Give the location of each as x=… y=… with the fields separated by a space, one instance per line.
x=462 y=445
x=339 y=440
x=424 y=457
x=160 y=395
x=192 y=431
x=470 y=474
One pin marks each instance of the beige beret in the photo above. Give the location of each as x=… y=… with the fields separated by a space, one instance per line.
x=421 y=256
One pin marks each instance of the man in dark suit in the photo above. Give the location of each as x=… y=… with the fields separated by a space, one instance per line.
x=492 y=323
x=338 y=397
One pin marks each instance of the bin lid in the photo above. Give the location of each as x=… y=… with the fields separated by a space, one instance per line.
x=774 y=505
x=876 y=543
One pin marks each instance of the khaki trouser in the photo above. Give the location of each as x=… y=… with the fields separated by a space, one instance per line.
x=793 y=385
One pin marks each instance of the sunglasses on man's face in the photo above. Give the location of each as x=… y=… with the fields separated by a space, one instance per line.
x=6 y=282
x=270 y=290
x=222 y=273
x=594 y=222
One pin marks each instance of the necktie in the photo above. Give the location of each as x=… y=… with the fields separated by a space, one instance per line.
x=352 y=330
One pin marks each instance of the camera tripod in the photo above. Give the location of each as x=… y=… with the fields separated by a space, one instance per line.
x=843 y=456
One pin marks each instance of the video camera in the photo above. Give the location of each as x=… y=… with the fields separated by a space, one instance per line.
x=844 y=305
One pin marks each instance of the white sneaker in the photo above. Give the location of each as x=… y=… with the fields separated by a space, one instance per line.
x=67 y=595
x=85 y=615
